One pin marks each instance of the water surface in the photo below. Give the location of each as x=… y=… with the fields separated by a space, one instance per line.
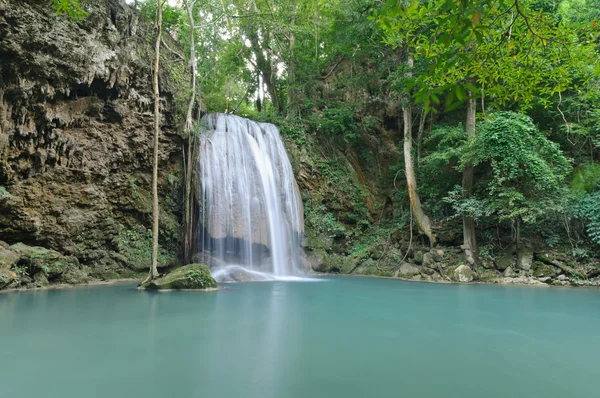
x=341 y=337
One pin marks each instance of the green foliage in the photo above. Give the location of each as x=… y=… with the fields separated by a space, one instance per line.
x=136 y=246
x=585 y=208
x=586 y=178
x=321 y=225
x=200 y=278
x=336 y=120
x=528 y=170
x=4 y=192
x=72 y=8
x=509 y=53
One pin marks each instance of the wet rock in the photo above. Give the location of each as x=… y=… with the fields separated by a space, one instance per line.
x=189 y=277
x=562 y=277
x=525 y=258
x=462 y=273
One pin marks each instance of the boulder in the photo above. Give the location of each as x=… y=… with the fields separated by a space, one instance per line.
x=407 y=270
x=545 y=279
x=525 y=258
x=505 y=261
x=419 y=257
x=462 y=273
x=437 y=255
x=189 y=277
x=509 y=273
x=6 y=278
x=8 y=258
x=543 y=270
x=428 y=260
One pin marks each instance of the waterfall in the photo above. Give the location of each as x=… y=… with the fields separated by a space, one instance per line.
x=250 y=217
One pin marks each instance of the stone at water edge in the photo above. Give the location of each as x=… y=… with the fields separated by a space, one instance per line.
x=462 y=273
x=8 y=258
x=510 y=273
x=189 y=277
x=505 y=262
x=407 y=270
x=525 y=258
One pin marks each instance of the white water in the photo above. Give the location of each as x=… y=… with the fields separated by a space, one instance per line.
x=252 y=216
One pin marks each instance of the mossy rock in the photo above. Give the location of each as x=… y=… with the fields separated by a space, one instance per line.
x=506 y=261
x=189 y=277
x=542 y=270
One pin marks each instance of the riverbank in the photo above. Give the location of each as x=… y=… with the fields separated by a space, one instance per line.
x=63 y=286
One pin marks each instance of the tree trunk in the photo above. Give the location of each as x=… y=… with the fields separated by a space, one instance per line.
x=154 y=267
x=423 y=222
x=291 y=94
x=469 y=240
x=188 y=198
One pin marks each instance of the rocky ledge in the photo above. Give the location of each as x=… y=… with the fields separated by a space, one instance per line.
x=525 y=267
x=23 y=266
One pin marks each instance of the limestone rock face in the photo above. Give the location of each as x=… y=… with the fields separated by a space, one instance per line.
x=462 y=273
x=190 y=277
x=76 y=131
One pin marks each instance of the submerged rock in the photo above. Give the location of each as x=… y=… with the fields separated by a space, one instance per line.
x=189 y=277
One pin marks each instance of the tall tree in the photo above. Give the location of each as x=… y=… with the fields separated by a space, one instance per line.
x=155 y=209
x=188 y=128
x=422 y=220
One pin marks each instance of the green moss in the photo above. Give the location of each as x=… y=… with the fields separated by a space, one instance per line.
x=135 y=245
x=193 y=276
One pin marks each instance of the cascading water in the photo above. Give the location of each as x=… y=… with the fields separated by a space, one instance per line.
x=251 y=216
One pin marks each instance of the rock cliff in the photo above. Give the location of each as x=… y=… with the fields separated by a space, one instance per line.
x=76 y=127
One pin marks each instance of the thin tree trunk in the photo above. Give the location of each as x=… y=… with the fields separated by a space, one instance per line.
x=291 y=95
x=423 y=221
x=154 y=267
x=469 y=240
x=188 y=200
